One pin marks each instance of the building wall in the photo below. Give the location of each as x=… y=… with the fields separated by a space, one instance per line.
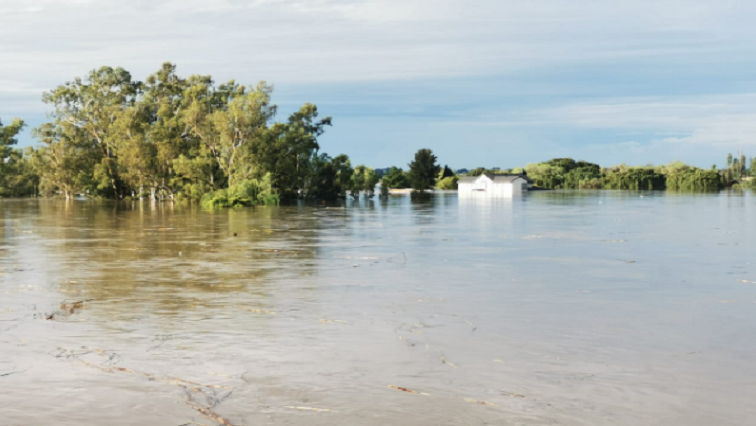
x=485 y=187
x=519 y=186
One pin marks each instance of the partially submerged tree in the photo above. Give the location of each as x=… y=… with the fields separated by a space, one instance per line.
x=395 y=177
x=172 y=137
x=17 y=177
x=227 y=121
x=423 y=171
x=289 y=150
x=90 y=108
x=364 y=179
x=385 y=190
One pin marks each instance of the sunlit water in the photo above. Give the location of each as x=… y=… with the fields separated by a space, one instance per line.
x=560 y=308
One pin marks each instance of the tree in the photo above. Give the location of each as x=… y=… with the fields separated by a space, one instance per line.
x=633 y=178
x=395 y=177
x=448 y=183
x=445 y=173
x=358 y=181
x=385 y=190
x=371 y=180
x=17 y=177
x=743 y=166
x=343 y=172
x=584 y=176
x=423 y=171
x=477 y=171
x=329 y=178
x=8 y=137
x=66 y=160
x=93 y=105
x=681 y=177
x=227 y=121
x=162 y=106
x=735 y=168
x=286 y=150
x=482 y=170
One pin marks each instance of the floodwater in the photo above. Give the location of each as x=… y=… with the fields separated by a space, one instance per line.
x=559 y=308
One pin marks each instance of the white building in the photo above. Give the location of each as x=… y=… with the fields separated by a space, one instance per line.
x=490 y=185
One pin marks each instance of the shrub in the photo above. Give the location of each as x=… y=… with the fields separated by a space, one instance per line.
x=384 y=188
x=245 y=193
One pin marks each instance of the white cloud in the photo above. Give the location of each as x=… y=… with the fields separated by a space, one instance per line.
x=653 y=124
x=727 y=120
x=298 y=42
x=337 y=40
x=736 y=131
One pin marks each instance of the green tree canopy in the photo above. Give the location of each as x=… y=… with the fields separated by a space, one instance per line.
x=17 y=176
x=423 y=170
x=395 y=177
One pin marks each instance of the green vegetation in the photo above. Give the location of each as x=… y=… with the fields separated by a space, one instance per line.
x=738 y=174
x=567 y=173
x=395 y=177
x=384 y=189
x=364 y=179
x=626 y=177
x=17 y=176
x=448 y=183
x=243 y=194
x=447 y=179
x=174 y=138
x=482 y=170
x=681 y=177
x=423 y=172
x=189 y=138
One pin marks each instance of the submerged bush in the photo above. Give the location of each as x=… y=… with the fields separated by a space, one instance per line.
x=245 y=193
x=694 y=179
x=634 y=178
x=385 y=190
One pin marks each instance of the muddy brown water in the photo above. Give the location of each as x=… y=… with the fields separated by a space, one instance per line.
x=560 y=308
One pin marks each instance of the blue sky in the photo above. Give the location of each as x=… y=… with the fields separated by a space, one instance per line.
x=482 y=82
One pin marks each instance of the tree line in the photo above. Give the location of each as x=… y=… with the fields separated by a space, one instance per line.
x=173 y=138
x=566 y=173
x=570 y=174
x=170 y=137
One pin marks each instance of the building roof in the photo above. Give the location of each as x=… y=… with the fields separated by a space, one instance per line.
x=502 y=178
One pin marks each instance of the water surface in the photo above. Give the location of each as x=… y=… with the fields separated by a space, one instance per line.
x=559 y=308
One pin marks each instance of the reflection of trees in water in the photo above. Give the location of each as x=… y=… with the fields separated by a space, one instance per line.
x=12 y=220
x=172 y=255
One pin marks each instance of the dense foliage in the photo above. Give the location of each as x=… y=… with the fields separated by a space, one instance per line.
x=738 y=173
x=423 y=171
x=245 y=193
x=17 y=175
x=171 y=137
x=395 y=177
x=570 y=174
x=448 y=183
